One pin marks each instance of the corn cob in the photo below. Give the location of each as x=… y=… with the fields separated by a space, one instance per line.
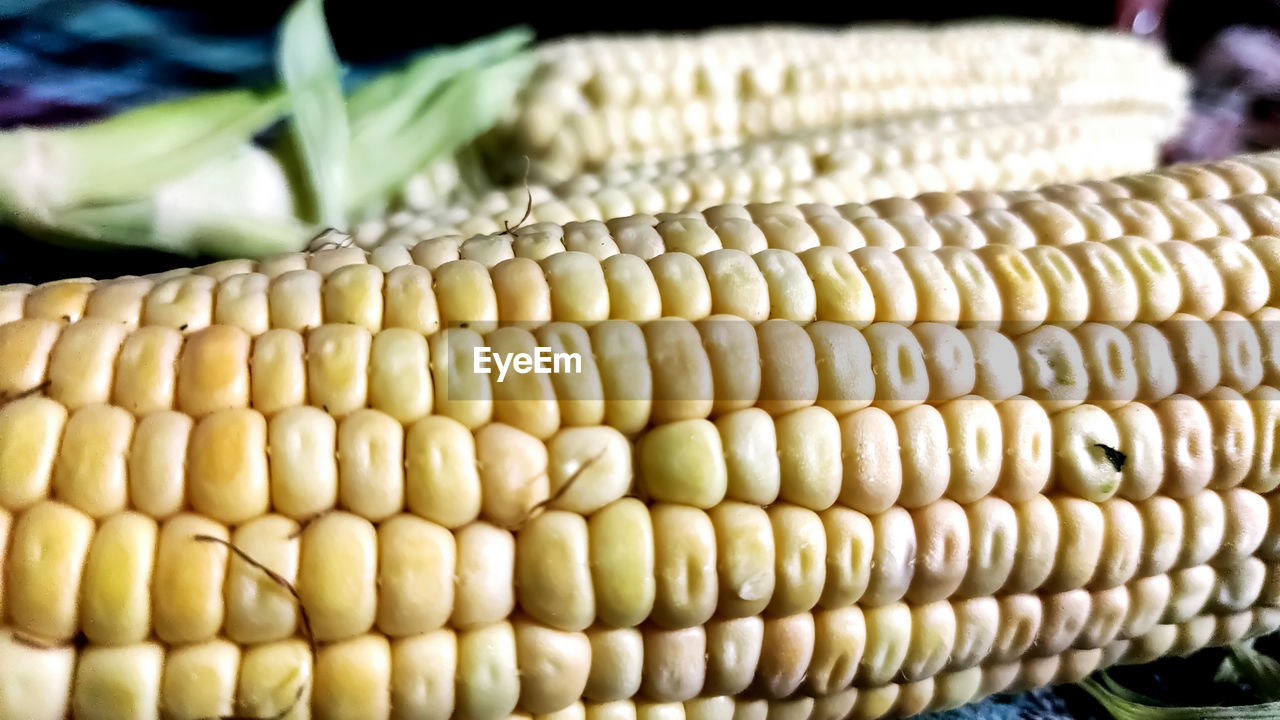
x=597 y=100
x=760 y=508
x=990 y=150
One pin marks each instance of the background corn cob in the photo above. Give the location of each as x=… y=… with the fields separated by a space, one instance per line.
x=600 y=101
x=972 y=150
x=857 y=505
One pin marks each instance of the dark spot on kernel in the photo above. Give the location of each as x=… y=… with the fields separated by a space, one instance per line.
x=1114 y=456
x=183 y=326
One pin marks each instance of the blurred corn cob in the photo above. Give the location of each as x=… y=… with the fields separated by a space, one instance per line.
x=596 y=102
x=801 y=481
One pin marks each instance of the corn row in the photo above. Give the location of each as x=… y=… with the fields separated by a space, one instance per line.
x=791 y=180
x=1008 y=148
x=590 y=104
x=474 y=674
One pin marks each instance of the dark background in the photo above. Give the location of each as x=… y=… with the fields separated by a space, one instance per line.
x=72 y=60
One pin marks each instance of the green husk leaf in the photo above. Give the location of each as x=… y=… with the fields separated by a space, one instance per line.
x=466 y=106
x=1262 y=672
x=1125 y=704
x=311 y=73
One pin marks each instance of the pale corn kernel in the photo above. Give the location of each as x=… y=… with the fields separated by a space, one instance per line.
x=980 y=302
x=371 y=465
x=792 y=294
x=1230 y=629
x=588 y=468
x=1027 y=436
x=786 y=652
x=1109 y=362
x=120 y=299
x=745 y=551
x=879 y=233
x=689 y=236
x=889 y=630
x=617 y=663
x=461 y=392
x=873 y=473
x=957 y=230
x=200 y=680
x=800 y=550
x=118 y=681
x=1140 y=217
x=1039 y=535
x=738 y=233
x=633 y=291
x=1197 y=355
x=942 y=551
x=683 y=286
x=37 y=682
x=1080 y=543
x=1189 y=592
x=488 y=682
x=846 y=382
x=751 y=459
x=523 y=400
x=48 y=545
x=736 y=284
x=1065 y=616
x=337 y=575
x=792 y=234
x=579 y=394
x=416 y=565
x=1003 y=228
x=294 y=299
x=1205 y=515
x=733 y=653
x=399 y=375
x=1264 y=476
x=1049 y=221
x=1107 y=276
x=1237 y=587
x=893 y=557
x=423 y=669
x=488 y=250
x=1203 y=292
x=522 y=293
x=227 y=476
x=949 y=360
x=976 y=444
x=442 y=482
x=1024 y=299
x=465 y=296
x=1247 y=517
x=579 y=292
x=1153 y=357
x=876 y=702
x=684 y=462
x=259 y=609
x=1234 y=436
x=484 y=580
x=1187 y=219
x=31 y=430
x=621 y=354
x=1123 y=545
x=352 y=294
x=902 y=379
x=327 y=261
x=27 y=344
x=241 y=301
x=683 y=386
x=977 y=624
x=1099 y=223
x=554 y=667
x=952 y=690
x=933 y=635
x=1188 y=446
x=895 y=296
x=187 y=602
x=916 y=232
x=592 y=236
x=1243 y=276
x=1020 y=620
x=14 y=295
x=685 y=559
x=839 y=640
x=835 y=232
x=993 y=535
x=82 y=362
x=1053 y=369
x=1068 y=295
x=271 y=677
x=1085 y=445
x=1148 y=598
x=553 y=577
x=1267 y=249
x=337 y=367
x=1266 y=322
x=115 y=601
x=352 y=678
x=997 y=371
x=938 y=299
x=1159 y=286
x=734 y=353
x=1240 y=351
x=58 y=300
x=409 y=300
x=674 y=664
x=434 y=252
x=301 y=443
x=278 y=264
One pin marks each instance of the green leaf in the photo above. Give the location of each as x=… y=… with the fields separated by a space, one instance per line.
x=309 y=68
x=1262 y=672
x=466 y=106
x=1125 y=704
